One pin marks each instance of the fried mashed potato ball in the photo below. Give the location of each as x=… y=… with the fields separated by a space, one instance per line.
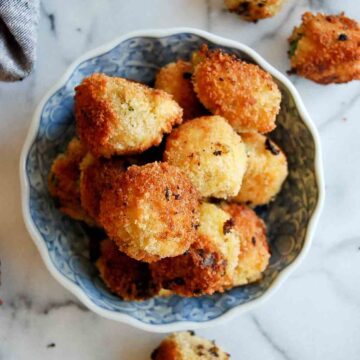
x=254 y=249
x=243 y=93
x=175 y=79
x=325 y=48
x=210 y=152
x=253 y=10
x=96 y=175
x=188 y=346
x=266 y=171
x=115 y=116
x=208 y=266
x=128 y=278
x=151 y=212
x=63 y=181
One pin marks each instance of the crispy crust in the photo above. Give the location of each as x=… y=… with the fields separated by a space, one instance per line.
x=243 y=93
x=209 y=264
x=266 y=171
x=151 y=212
x=124 y=276
x=201 y=270
x=97 y=175
x=175 y=79
x=115 y=116
x=210 y=152
x=63 y=181
x=167 y=350
x=253 y=10
x=326 y=48
x=188 y=346
x=254 y=249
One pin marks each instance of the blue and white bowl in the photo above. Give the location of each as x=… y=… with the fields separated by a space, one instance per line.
x=62 y=242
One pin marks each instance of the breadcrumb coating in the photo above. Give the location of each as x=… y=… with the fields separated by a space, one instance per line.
x=326 y=48
x=97 y=175
x=254 y=249
x=175 y=79
x=254 y=10
x=63 y=181
x=151 y=212
x=209 y=265
x=128 y=278
x=188 y=346
x=243 y=93
x=266 y=171
x=210 y=152
x=115 y=116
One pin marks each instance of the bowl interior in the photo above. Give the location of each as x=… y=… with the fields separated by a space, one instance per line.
x=67 y=241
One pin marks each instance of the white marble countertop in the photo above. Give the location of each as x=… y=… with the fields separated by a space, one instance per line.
x=316 y=313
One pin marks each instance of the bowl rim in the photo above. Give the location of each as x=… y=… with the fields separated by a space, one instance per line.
x=178 y=325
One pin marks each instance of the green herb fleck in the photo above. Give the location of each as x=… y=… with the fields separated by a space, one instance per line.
x=293 y=46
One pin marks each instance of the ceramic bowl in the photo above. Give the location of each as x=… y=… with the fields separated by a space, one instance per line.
x=63 y=243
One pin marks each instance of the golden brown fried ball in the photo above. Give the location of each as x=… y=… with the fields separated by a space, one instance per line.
x=128 y=278
x=208 y=266
x=63 y=181
x=151 y=212
x=188 y=346
x=253 y=10
x=243 y=93
x=175 y=79
x=201 y=270
x=266 y=170
x=254 y=249
x=115 y=116
x=326 y=48
x=97 y=174
x=210 y=152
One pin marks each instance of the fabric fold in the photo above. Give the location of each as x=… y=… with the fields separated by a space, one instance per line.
x=18 y=38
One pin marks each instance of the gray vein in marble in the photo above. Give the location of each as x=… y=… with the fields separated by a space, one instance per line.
x=53 y=306
x=271 y=34
x=345 y=244
x=50 y=17
x=341 y=112
x=270 y=340
x=23 y=302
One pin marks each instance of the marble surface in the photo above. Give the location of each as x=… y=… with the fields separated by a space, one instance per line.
x=315 y=315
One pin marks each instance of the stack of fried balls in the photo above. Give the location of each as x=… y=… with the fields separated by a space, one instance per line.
x=172 y=174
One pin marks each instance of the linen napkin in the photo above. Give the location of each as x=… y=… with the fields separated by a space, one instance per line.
x=18 y=37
